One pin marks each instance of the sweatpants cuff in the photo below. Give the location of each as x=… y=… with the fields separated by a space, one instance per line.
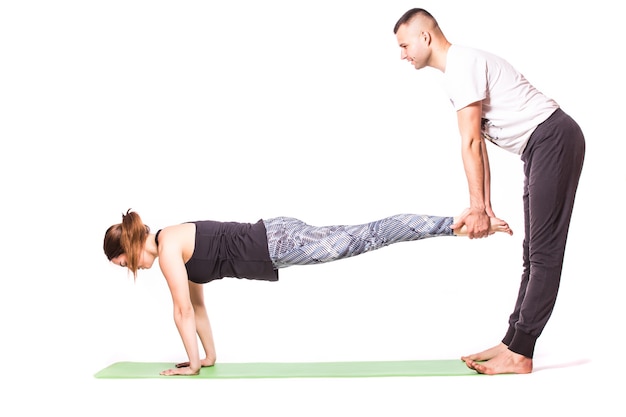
x=523 y=343
x=508 y=337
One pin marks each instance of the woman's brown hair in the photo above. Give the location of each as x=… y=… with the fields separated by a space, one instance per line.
x=129 y=238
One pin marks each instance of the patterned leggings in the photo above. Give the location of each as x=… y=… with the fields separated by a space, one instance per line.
x=293 y=242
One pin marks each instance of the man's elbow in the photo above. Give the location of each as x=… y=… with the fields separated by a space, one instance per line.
x=472 y=147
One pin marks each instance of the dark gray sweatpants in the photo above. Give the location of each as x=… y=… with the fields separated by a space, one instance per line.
x=553 y=161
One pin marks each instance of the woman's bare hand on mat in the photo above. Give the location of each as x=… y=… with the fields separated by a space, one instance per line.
x=183 y=370
x=204 y=363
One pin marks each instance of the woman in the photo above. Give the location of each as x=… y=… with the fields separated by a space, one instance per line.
x=195 y=253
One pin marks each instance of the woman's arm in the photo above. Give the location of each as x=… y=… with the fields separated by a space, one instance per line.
x=173 y=268
x=203 y=325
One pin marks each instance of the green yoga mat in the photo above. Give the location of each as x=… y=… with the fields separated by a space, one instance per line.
x=445 y=367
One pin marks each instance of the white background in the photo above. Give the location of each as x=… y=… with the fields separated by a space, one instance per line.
x=242 y=110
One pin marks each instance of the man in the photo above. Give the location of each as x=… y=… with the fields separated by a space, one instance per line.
x=495 y=102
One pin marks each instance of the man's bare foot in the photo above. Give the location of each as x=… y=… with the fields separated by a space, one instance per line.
x=499 y=360
x=497 y=225
x=485 y=355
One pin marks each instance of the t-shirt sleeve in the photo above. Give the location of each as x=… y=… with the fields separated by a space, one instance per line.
x=465 y=80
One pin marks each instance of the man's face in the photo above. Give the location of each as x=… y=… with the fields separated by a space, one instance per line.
x=414 y=45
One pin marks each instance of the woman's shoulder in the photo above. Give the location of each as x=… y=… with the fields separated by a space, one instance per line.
x=177 y=233
x=177 y=240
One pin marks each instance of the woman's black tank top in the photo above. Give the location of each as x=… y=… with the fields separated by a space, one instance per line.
x=229 y=249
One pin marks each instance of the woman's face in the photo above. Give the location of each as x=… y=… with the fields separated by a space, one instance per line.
x=145 y=262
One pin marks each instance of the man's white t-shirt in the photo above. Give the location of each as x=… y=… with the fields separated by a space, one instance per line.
x=512 y=107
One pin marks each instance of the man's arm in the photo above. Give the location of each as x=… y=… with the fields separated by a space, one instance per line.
x=487 y=180
x=473 y=152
